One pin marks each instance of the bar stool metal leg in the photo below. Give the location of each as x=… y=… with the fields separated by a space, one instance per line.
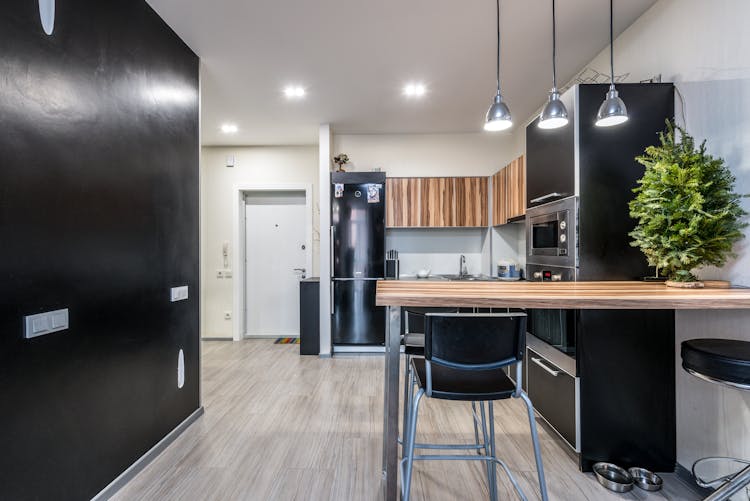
x=490 y=467
x=491 y=464
x=409 y=459
x=407 y=401
x=537 y=450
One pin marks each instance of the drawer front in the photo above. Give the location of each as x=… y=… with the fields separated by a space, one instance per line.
x=553 y=393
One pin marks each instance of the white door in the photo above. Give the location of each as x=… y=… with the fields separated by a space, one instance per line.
x=276 y=255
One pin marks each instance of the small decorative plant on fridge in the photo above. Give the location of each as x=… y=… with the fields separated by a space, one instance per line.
x=687 y=212
x=340 y=160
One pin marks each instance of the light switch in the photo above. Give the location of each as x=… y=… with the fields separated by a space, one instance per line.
x=45 y=323
x=178 y=293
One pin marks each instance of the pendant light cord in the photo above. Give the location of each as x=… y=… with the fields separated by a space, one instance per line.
x=611 y=45
x=554 y=49
x=498 y=46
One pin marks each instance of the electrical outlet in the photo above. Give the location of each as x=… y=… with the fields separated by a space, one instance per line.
x=227 y=315
x=227 y=273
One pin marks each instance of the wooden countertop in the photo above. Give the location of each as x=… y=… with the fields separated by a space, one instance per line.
x=565 y=295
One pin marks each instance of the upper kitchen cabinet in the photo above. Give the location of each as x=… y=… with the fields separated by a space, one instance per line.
x=471 y=201
x=509 y=192
x=583 y=157
x=436 y=202
x=550 y=158
x=402 y=206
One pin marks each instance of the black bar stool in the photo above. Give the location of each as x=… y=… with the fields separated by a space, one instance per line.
x=412 y=339
x=725 y=362
x=464 y=359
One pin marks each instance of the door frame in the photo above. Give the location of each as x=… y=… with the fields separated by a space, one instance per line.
x=239 y=234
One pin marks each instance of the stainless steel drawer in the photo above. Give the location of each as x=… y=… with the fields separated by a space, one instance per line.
x=553 y=393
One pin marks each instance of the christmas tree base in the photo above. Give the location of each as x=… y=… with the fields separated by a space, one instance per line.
x=685 y=285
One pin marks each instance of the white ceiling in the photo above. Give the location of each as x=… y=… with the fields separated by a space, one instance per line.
x=354 y=57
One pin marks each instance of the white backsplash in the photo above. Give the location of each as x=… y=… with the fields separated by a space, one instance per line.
x=509 y=242
x=440 y=249
x=439 y=263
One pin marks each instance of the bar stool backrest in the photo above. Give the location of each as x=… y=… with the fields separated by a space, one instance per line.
x=475 y=341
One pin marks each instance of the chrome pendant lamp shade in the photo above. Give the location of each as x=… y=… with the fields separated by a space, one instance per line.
x=498 y=116
x=554 y=114
x=613 y=110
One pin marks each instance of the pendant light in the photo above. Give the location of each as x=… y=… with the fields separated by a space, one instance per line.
x=498 y=116
x=613 y=110
x=554 y=114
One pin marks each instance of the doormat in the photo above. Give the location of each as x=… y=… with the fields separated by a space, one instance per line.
x=287 y=340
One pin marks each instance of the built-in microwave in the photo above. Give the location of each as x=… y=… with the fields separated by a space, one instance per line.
x=552 y=233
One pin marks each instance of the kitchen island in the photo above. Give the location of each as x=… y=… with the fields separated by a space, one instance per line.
x=625 y=296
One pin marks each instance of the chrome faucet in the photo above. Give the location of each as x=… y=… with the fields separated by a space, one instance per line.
x=462 y=267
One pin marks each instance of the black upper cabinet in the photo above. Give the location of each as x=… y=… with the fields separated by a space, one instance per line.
x=598 y=165
x=550 y=159
x=553 y=156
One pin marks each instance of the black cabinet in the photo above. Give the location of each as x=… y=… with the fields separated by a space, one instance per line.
x=309 y=316
x=550 y=159
x=597 y=164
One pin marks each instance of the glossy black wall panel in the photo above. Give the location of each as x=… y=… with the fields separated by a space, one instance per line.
x=98 y=214
x=608 y=174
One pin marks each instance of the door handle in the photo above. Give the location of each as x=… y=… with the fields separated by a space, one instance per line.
x=331 y=287
x=545 y=197
x=538 y=361
x=331 y=242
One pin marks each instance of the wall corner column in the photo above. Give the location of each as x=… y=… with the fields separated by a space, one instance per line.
x=325 y=138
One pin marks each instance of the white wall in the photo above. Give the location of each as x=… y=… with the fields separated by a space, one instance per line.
x=406 y=155
x=253 y=165
x=704 y=47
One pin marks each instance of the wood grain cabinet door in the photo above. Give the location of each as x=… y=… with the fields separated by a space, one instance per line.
x=516 y=182
x=500 y=197
x=509 y=192
x=402 y=207
x=438 y=207
x=471 y=201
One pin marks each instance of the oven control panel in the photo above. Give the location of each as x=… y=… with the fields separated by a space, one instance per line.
x=542 y=273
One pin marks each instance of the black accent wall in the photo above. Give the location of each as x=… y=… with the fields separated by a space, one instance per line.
x=99 y=214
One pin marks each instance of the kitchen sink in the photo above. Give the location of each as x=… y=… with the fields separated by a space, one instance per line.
x=469 y=278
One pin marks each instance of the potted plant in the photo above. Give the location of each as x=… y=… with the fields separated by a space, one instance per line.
x=340 y=160
x=687 y=212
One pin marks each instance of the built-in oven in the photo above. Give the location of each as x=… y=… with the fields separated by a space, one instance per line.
x=557 y=328
x=551 y=376
x=552 y=233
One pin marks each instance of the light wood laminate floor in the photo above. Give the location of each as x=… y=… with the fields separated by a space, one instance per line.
x=279 y=426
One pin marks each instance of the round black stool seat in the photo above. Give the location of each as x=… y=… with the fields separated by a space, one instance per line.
x=724 y=361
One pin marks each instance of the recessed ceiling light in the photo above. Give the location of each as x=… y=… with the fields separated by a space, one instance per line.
x=294 y=91
x=415 y=90
x=229 y=128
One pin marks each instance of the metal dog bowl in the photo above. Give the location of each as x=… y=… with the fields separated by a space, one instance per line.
x=613 y=477
x=646 y=480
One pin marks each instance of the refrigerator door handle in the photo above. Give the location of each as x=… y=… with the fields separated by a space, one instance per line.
x=332 y=235
x=331 y=287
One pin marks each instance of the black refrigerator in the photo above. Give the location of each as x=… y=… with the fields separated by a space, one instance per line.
x=357 y=257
